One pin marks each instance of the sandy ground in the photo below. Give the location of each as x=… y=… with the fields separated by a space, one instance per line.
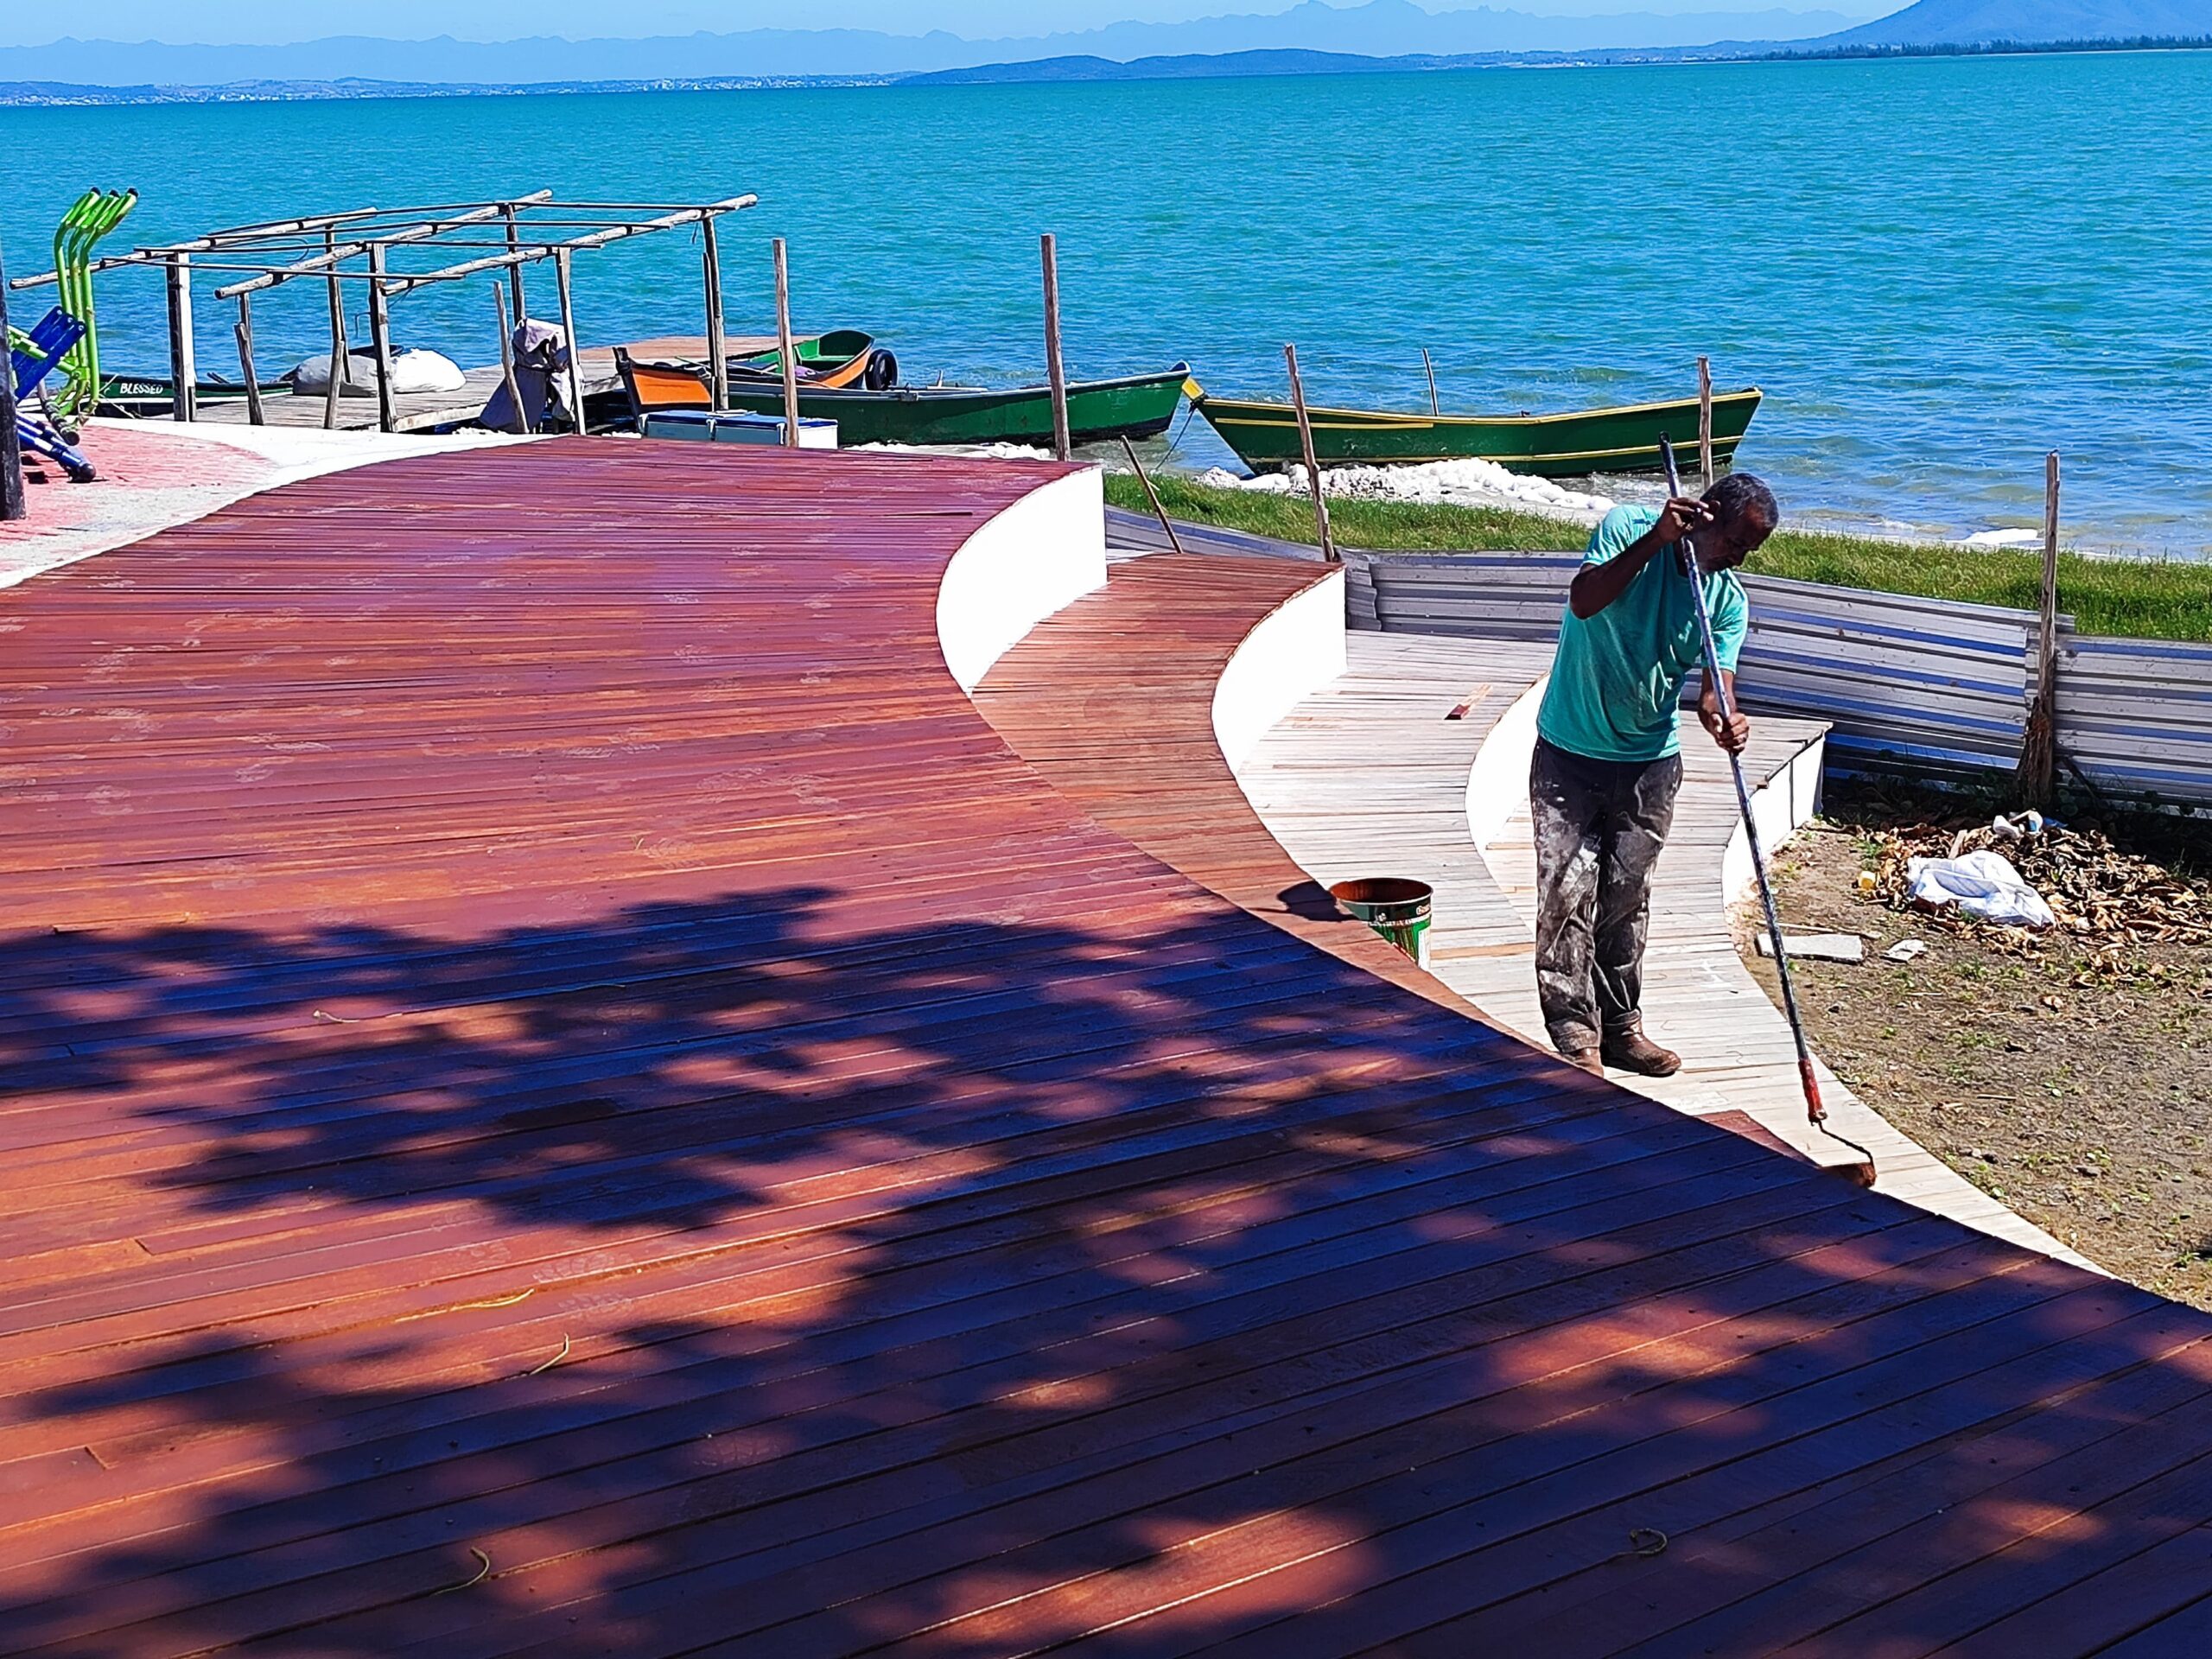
x=2083 y=1100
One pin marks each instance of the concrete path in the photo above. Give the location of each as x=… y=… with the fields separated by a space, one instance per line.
x=156 y=474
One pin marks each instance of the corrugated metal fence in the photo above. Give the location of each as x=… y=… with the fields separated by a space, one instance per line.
x=1916 y=686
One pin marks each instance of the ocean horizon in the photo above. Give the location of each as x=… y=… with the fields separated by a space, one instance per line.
x=1936 y=268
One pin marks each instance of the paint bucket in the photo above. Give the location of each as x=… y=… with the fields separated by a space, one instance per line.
x=1394 y=907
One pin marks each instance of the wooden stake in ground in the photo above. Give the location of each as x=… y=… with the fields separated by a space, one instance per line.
x=1306 y=446
x=2039 y=772
x=12 y=504
x=1705 y=422
x=1434 y=407
x=1063 y=449
x=507 y=354
x=245 y=360
x=787 y=349
x=1151 y=494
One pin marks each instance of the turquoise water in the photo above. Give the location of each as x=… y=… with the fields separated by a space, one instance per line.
x=1936 y=269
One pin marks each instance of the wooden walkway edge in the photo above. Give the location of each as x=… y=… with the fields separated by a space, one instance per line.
x=1369 y=777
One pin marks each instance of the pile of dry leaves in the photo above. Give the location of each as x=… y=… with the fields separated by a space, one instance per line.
x=2114 y=902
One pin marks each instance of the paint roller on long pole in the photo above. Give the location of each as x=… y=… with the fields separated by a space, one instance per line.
x=1861 y=1170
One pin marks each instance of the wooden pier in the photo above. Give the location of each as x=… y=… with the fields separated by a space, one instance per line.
x=565 y=1092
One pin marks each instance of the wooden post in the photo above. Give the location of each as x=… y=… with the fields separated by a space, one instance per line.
x=1151 y=494
x=560 y=280
x=507 y=356
x=340 y=354
x=253 y=411
x=786 y=352
x=514 y=271
x=1062 y=448
x=1434 y=407
x=12 y=504
x=2038 y=770
x=1306 y=446
x=2046 y=620
x=380 y=341
x=717 y=333
x=184 y=371
x=1705 y=422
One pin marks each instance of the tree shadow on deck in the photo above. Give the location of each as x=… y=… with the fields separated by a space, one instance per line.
x=718 y=1274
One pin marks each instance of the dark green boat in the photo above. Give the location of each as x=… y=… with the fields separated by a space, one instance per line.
x=144 y=395
x=1626 y=440
x=1137 y=406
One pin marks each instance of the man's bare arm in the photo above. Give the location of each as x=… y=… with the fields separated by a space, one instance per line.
x=1597 y=586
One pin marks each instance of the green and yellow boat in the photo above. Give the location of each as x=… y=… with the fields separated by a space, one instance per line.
x=1625 y=440
x=1136 y=406
x=843 y=357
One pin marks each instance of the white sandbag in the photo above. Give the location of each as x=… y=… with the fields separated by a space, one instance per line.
x=312 y=374
x=421 y=370
x=412 y=371
x=1982 y=885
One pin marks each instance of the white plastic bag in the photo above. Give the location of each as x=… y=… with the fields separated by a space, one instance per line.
x=1982 y=885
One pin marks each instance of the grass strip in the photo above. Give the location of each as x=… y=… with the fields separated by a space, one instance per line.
x=2131 y=599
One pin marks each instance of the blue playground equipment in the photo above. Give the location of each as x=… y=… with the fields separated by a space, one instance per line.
x=32 y=357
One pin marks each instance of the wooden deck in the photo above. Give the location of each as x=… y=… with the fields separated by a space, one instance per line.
x=1370 y=778
x=566 y=1094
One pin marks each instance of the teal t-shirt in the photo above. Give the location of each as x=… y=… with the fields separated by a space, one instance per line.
x=1617 y=684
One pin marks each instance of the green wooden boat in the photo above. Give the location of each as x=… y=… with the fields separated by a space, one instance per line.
x=1626 y=440
x=1136 y=406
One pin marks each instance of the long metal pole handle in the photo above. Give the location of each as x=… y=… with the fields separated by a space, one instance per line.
x=1814 y=1108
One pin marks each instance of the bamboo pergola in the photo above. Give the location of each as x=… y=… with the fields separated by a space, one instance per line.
x=395 y=251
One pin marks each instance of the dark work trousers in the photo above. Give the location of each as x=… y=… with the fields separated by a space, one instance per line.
x=1599 y=825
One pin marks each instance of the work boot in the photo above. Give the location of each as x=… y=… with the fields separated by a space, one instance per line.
x=1632 y=1051
x=1586 y=1059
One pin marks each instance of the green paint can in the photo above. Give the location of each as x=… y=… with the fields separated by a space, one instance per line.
x=1394 y=907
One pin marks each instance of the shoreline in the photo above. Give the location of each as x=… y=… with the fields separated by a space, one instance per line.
x=1470 y=484
x=2107 y=593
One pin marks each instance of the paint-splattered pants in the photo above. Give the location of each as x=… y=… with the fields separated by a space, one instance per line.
x=1599 y=825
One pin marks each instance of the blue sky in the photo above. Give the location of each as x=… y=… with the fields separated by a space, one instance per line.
x=229 y=21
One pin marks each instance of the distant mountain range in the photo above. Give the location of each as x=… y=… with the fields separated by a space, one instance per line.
x=1378 y=29
x=1980 y=22
x=1311 y=38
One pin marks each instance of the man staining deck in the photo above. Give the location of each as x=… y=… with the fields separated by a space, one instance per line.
x=1608 y=761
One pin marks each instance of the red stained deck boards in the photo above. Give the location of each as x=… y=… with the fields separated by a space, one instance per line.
x=565 y=1092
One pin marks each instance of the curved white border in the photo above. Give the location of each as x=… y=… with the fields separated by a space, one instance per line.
x=1498 y=781
x=1028 y=560
x=1781 y=806
x=1291 y=653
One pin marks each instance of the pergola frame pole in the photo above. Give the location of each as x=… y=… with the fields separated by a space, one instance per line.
x=183 y=369
x=710 y=273
x=574 y=245
x=380 y=341
x=430 y=230
x=575 y=374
